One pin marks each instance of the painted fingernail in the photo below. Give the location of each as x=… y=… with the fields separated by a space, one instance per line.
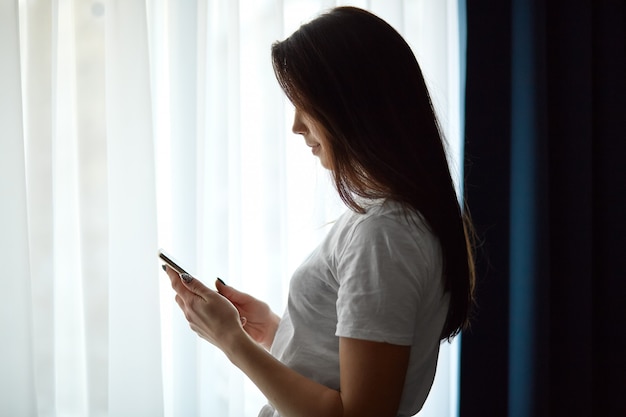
x=164 y=268
x=221 y=281
x=186 y=277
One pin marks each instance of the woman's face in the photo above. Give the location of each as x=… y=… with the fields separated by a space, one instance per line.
x=314 y=136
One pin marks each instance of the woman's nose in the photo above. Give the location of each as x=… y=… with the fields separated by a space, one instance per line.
x=299 y=128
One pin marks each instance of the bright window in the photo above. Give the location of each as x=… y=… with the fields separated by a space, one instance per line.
x=133 y=125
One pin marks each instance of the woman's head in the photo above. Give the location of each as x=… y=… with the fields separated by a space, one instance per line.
x=355 y=77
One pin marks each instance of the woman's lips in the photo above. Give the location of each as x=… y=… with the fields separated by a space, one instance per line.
x=315 y=147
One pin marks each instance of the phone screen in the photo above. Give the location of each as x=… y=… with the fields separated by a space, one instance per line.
x=164 y=256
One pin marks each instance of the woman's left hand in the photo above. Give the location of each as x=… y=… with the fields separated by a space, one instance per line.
x=211 y=315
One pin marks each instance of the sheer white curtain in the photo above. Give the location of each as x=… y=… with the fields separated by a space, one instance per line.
x=130 y=125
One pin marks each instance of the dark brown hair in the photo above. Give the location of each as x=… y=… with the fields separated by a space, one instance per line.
x=358 y=78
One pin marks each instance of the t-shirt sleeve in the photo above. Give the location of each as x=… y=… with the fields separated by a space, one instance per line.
x=382 y=271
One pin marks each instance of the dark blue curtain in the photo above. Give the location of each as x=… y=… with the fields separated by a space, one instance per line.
x=545 y=126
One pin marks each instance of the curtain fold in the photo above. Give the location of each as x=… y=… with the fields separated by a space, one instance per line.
x=135 y=378
x=133 y=125
x=17 y=382
x=546 y=183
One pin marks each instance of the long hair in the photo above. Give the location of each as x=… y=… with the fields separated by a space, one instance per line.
x=358 y=78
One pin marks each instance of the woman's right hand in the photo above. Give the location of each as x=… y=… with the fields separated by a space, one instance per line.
x=257 y=318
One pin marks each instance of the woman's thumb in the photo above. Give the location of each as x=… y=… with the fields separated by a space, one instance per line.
x=225 y=290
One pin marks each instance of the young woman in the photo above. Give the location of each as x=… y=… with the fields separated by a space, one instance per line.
x=369 y=308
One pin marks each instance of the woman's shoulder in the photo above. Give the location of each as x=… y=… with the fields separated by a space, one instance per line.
x=386 y=219
x=392 y=214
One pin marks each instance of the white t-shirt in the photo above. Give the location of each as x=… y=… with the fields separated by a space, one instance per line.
x=377 y=276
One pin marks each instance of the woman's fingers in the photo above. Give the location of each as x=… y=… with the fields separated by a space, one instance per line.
x=196 y=287
x=185 y=284
x=235 y=296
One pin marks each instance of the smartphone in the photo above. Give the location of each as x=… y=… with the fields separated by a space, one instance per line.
x=168 y=259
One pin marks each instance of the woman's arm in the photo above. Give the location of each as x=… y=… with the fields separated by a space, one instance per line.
x=372 y=379
x=372 y=374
